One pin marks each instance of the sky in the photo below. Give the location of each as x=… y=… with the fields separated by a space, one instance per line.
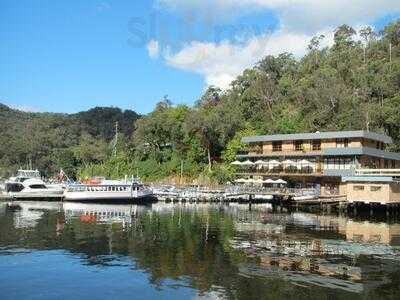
x=69 y=56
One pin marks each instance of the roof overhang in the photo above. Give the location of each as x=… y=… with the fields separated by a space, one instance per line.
x=319 y=136
x=361 y=151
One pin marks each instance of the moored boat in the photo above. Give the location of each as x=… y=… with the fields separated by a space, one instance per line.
x=108 y=190
x=305 y=197
x=31 y=188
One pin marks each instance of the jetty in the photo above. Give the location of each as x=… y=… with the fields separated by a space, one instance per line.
x=242 y=194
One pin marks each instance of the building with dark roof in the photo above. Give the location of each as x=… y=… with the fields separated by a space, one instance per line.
x=323 y=158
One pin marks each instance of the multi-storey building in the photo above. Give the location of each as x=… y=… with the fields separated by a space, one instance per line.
x=324 y=158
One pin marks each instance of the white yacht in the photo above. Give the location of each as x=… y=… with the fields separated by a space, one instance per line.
x=108 y=190
x=32 y=188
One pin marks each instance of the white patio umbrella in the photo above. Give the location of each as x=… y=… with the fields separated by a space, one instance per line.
x=274 y=162
x=269 y=181
x=304 y=162
x=236 y=163
x=241 y=180
x=288 y=162
x=258 y=181
x=249 y=180
x=259 y=162
x=280 y=181
x=247 y=163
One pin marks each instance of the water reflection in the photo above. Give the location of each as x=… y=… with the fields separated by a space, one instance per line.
x=212 y=250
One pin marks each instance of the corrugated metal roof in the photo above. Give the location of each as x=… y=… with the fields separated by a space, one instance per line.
x=367 y=179
x=319 y=136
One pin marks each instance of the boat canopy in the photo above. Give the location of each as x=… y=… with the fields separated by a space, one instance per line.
x=28 y=173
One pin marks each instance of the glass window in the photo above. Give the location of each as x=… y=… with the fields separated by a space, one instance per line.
x=298 y=145
x=316 y=145
x=348 y=163
x=342 y=143
x=337 y=163
x=358 y=188
x=37 y=186
x=276 y=146
x=375 y=188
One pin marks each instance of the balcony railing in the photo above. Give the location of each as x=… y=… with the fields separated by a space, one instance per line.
x=281 y=171
x=378 y=172
x=283 y=152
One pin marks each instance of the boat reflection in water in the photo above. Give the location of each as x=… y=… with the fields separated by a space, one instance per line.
x=102 y=213
x=209 y=250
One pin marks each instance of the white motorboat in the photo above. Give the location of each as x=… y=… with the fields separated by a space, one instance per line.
x=31 y=188
x=108 y=190
x=305 y=197
x=263 y=197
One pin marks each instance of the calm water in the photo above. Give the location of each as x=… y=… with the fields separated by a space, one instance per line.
x=193 y=251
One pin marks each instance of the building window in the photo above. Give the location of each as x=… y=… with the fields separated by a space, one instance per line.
x=277 y=146
x=342 y=143
x=338 y=163
x=316 y=145
x=358 y=188
x=380 y=145
x=375 y=188
x=386 y=164
x=298 y=145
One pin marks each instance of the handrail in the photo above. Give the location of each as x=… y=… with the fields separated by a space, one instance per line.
x=378 y=172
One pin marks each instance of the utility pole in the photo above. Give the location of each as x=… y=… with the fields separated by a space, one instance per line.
x=180 y=180
x=390 y=56
x=115 y=140
x=365 y=53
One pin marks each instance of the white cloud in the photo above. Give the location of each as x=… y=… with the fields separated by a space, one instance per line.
x=295 y=15
x=300 y=20
x=221 y=63
x=153 y=49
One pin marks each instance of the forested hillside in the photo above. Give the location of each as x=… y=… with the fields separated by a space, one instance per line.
x=50 y=141
x=353 y=85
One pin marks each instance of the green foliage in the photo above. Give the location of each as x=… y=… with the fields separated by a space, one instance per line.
x=48 y=141
x=235 y=145
x=352 y=85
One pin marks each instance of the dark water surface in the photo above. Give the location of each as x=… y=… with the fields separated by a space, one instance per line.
x=51 y=250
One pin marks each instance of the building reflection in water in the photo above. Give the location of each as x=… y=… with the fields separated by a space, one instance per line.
x=305 y=249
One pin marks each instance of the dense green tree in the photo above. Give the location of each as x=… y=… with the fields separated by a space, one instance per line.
x=352 y=85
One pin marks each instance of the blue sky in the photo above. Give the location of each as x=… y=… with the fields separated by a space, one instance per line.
x=68 y=56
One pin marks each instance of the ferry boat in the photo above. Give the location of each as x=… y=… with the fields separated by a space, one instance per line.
x=29 y=185
x=108 y=190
